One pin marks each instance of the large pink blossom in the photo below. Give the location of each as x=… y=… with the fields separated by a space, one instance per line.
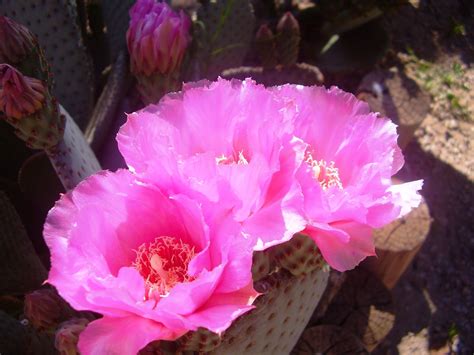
x=150 y=263
x=346 y=175
x=232 y=142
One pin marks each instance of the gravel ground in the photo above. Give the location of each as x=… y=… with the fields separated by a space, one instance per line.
x=435 y=297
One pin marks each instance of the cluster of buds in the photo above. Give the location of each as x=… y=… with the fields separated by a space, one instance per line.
x=282 y=48
x=26 y=103
x=157 y=40
x=20 y=48
x=25 y=99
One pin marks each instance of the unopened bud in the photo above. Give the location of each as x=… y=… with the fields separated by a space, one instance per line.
x=20 y=95
x=16 y=41
x=157 y=37
x=265 y=45
x=288 y=39
x=288 y=23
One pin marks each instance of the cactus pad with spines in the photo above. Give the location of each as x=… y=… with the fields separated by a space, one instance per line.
x=262 y=264
x=72 y=158
x=301 y=73
x=272 y=327
x=116 y=20
x=228 y=27
x=20 y=268
x=54 y=22
x=280 y=316
x=201 y=340
x=106 y=108
x=300 y=255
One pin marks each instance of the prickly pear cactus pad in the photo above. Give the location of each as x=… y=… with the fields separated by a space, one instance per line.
x=116 y=19
x=300 y=73
x=299 y=256
x=54 y=22
x=274 y=326
x=72 y=157
x=225 y=33
x=21 y=269
x=280 y=317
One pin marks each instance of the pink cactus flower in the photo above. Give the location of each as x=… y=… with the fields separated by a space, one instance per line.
x=346 y=176
x=229 y=141
x=20 y=95
x=255 y=151
x=157 y=37
x=16 y=41
x=149 y=262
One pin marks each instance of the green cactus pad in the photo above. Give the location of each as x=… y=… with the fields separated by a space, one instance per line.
x=72 y=158
x=106 y=109
x=299 y=256
x=301 y=73
x=20 y=268
x=262 y=264
x=201 y=340
x=54 y=23
x=228 y=27
x=280 y=316
x=116 y=20
x=18 y=337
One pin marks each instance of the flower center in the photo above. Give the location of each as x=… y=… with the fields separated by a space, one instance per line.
x=326 y=174
x=232 y=159
x=163 y=263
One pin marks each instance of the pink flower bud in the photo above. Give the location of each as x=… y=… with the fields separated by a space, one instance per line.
x=67 y=336
x=44 y=308
x=20 y=95
x=16 y=41
x=157 y=37
x=288 y=23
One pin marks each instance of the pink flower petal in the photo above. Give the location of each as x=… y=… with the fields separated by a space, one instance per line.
x=343 y=244
x=124 y=336
x=407 y=196
x=219 y=312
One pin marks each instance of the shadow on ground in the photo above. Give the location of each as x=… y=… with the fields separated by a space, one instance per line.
x=436 y=294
